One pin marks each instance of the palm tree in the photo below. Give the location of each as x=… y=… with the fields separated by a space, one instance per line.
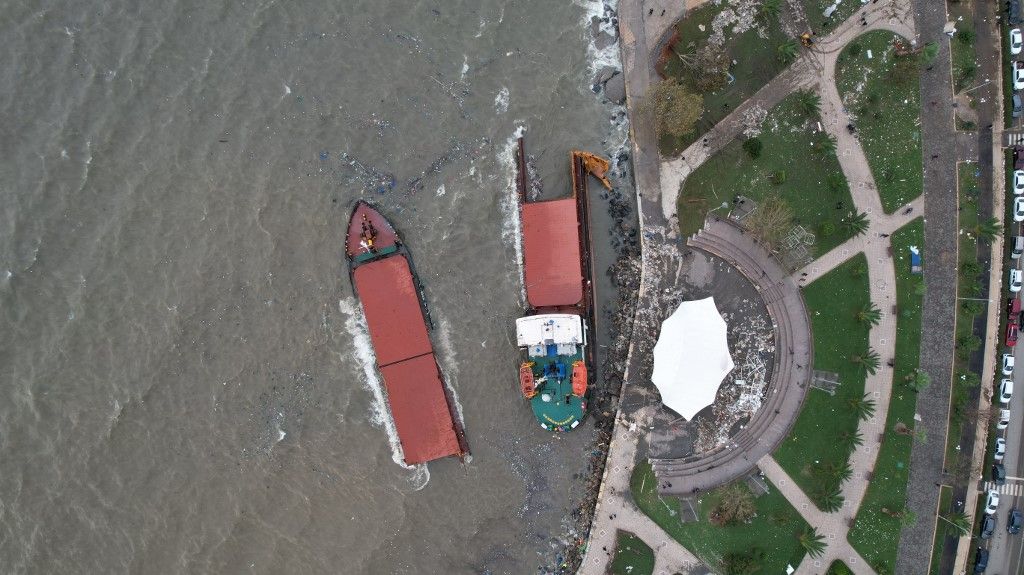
x=769 y=9
x=959 y=523
x=832 y=501
x=812 y=542
x=988 y=230
x=788 y=51
x=863 y=407
x=851 y=439
x=826 y=145
x=855 y=224
x=868 y=360
x=808 y=102
x=843 y=472
x=918 y=380
x=869 y=314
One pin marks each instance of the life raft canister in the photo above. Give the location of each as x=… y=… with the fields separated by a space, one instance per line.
x=579 y=379
x=526 y=379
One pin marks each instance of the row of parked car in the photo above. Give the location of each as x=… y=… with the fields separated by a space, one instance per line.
x=1015 y=521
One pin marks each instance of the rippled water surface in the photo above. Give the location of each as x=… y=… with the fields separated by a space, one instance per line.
x=186 y=382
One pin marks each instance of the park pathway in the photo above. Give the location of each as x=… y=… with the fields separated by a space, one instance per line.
x=658 y=185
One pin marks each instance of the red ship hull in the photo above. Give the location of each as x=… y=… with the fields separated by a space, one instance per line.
x=385 y=282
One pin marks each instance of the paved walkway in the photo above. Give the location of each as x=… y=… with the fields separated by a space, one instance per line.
x=790 y=375
x=616 y=510
x=813 y=67
x=940 y=275
x=831 y=526
x=658 y=184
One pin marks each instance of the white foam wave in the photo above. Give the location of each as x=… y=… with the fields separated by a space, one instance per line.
x=608 y=56
x=362 y=352
x=501 y=101
x=511 y=228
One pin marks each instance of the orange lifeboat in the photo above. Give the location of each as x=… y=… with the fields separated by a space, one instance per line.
x=579 y=379
x=526 y=379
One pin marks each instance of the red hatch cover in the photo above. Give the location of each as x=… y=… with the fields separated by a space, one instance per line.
x=551 y=253
x=422 y=418
x=392 y=306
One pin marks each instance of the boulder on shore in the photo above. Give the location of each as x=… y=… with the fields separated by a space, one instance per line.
x=615 y=89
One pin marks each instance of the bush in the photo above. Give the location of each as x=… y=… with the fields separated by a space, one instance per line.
x=836 y=183
x=854 y=49
x=735 y=505
x=965 y=36
x=826 y=229
x=970 y=270
x=753 y=146
x=737 y=563
x=778 y=178
x=972 y=307
x=966 y=344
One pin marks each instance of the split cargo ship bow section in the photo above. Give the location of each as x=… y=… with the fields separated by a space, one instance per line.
x=554 y=337
x=398 y=320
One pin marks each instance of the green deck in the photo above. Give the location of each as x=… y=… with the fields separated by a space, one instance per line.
x=564 y=408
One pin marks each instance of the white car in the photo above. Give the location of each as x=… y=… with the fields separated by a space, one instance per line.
x=1018 y=209
x=1000 y=449
x=1018 y=76
x=1016 y=41
x=991 y=502
x=1016 y=278
x=1018 y=182
x=1005 y=391
x=1007 y=364
x=1004 y=419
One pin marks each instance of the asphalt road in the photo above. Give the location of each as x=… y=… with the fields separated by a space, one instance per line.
x=1006 y=552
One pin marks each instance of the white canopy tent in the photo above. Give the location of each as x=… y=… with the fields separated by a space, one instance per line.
x=691 y=357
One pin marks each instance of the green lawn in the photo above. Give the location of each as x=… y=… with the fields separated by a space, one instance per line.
x=774 y=529
x=814 y=185
x=966 y=311
x=945 y=504
x=875 y=535
x=632 y=555
x=756 y=62
x=838 y=568
x=815 y=444
x=962 y=52
x=883 y=97
x=815 y=12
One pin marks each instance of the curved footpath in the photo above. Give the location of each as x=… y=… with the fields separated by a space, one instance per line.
x=790 y=376
x=658 y=184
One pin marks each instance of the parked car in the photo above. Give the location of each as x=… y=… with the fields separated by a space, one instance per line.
x=1007 y=364
x=1000 y=449
x=991 y=502
x=1005 y=390
x=981 y=560
x=1018 y=182
x=1016 y=41
x=1018 y=248
x=1016 y=276
x=1004 y=419
x=1018 y=75
x=1011 y=334
x=1018 y=108
x=998 y=474
x=1014 y=524
x=1018 y=209
x=988 y=526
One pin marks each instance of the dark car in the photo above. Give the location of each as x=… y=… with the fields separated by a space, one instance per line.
x=981 y=560
x=999 y=474
x=1016 y=111
x=988 y=526
x=1014 y=524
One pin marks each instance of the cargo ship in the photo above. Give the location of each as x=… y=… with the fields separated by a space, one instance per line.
x=554 y=337
x=385 y=282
